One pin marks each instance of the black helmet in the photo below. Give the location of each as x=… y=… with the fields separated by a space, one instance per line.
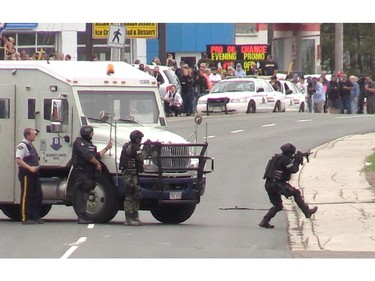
x=288 y=149
x=86 y=131
x=136 y=136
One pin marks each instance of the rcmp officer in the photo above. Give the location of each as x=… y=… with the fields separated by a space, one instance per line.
x=31 y=191
x=277 y=175
x=131 y=164
x=85 y=164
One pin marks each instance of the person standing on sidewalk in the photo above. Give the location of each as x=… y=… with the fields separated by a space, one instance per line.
x=31 y=190
x=278 y=173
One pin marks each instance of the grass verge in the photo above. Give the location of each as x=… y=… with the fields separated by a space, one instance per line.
x=370 y=170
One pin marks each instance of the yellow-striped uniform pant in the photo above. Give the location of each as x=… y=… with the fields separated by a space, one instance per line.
x=31 y=196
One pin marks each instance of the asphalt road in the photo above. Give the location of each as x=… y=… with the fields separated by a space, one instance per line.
x=225 y=223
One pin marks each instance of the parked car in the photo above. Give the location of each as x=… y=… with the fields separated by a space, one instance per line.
x=247 y=95
x=294 y=98
x=170 y=78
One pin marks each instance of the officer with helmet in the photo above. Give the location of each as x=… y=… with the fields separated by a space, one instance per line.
x=131 y=164
x=278 y=173
x=86 y=161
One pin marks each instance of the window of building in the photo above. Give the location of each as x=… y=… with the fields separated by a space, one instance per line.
x=31 y=42
x=245 y=28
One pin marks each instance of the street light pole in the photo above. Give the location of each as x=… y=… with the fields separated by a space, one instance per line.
x=162 y=43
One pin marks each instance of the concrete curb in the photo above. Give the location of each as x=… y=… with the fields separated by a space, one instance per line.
x=335 y=182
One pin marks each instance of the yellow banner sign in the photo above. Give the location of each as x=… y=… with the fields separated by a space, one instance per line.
x=141 y=30
x=133 y=30
x=100 y=30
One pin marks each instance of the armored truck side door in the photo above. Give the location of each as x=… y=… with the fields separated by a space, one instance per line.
x=8 y=143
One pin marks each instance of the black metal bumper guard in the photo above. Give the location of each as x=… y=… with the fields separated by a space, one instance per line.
x=217 y=102
x=160 y=156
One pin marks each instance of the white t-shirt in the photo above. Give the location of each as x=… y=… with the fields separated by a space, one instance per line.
x=22 y=150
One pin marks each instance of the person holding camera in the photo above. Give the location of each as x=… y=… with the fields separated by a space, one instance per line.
x=173 y=102
x=345 y=87
x=277 y=174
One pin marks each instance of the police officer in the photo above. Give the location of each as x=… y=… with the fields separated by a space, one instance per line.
x=277 y=184
x=85 y=164
x=31 y=191
x=131 y=164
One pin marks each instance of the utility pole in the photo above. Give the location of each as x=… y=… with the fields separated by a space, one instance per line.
x=162 y=42
x=339 y=47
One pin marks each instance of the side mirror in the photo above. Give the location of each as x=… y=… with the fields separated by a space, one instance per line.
x=260 y=90
x=288 y=92
x=104 y=116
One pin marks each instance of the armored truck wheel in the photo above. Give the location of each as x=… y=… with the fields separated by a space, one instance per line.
x=103 y=201
x=173 y=214
x=14 y=211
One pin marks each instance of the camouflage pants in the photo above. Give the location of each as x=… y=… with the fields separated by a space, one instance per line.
x=133 y=193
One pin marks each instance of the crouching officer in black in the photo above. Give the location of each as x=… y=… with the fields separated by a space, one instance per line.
x=277 y=175
x=85 y=164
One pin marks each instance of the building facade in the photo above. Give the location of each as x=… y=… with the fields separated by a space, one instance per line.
x=294 y=46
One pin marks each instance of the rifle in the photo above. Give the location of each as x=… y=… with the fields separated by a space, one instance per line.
x=305 y=154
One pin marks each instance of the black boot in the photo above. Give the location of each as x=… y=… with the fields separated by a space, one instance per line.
x=265 y=223
x=132 y=219
x=310 y=212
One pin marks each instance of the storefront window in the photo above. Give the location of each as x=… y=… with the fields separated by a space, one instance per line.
x=26 y=39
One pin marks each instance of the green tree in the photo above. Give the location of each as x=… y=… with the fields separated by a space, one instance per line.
x=359 y=47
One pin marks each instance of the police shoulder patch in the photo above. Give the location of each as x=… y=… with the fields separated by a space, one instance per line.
x=20 y=147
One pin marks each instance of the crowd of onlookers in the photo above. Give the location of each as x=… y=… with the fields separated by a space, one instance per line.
x=198 y=80
x=9 y=52
x=338 y=94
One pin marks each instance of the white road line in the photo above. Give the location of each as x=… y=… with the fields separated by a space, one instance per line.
x=73 y=247
x=236 y=131
x=210 y=137
x=349 y=116
x=90 y=226
x=305 y=120
x=268 y=125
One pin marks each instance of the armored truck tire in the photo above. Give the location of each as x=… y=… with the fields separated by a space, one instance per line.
x=103 y=202
x=173 y=213
x=13 y=211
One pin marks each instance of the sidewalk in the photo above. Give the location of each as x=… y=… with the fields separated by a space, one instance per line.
x=334 y=181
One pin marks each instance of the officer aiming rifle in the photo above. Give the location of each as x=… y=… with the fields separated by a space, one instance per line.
x=277 y=174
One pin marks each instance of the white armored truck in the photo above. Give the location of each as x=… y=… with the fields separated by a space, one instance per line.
x=57 y=98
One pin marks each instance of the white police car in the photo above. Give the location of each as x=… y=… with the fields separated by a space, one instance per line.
x=246 y=95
